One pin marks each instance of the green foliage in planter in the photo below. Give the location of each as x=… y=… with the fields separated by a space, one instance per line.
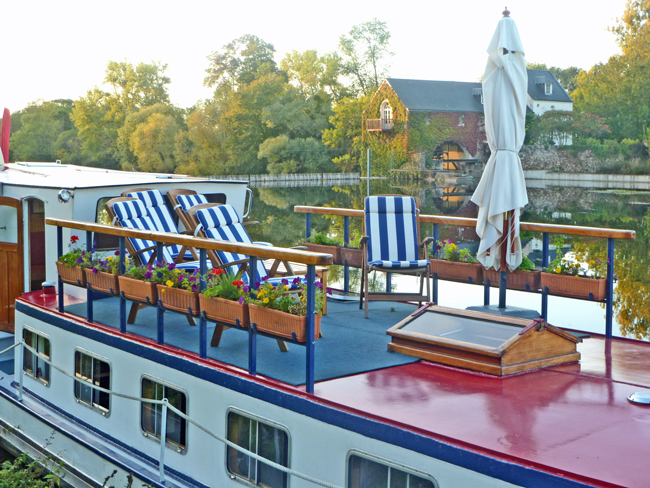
x=323 y=240
x=526 y=265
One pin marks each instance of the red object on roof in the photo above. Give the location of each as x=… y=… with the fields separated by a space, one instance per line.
x=4 y=135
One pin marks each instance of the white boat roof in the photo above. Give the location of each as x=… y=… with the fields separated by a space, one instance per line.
x=70 y=176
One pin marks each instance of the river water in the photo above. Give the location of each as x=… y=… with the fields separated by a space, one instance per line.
x=568 y=205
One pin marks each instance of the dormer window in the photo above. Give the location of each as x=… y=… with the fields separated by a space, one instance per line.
x=548 y=88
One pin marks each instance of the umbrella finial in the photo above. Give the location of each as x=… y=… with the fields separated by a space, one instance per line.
x=506 y=12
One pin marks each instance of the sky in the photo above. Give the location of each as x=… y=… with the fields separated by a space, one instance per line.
x=53 y=50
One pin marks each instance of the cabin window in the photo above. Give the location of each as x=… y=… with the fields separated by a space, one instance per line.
x=34 y=365
x=548 y=88
x=365 y=471
x=262 y=438
x=90 y=370
x=151 y=413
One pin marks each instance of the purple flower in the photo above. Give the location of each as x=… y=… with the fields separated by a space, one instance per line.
x=329 y=291
x=285 y=281
x=83 y=252
x=171 y=266
x=296 y=281
x=95 y=270
x=192 y=278
x=247 y=289
x=241 y=299
x=265 y=278
x=257 y=284
x=195 y=288
x=117 y=253
x=147 y=275
x=318 y=284
x=79 y=260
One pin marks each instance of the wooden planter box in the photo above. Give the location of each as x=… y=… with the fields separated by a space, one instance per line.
x=224 y=311
x=102 y=281
x=333 y=250
x=74 y=275
x=354 y=257
x=282 y=324
x=142 y=291
x=574 y=286
x=517 y=280
x=457 y=271
x=178 y=300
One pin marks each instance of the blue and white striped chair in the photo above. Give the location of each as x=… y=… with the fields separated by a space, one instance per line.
x=182 y=200
x=391 y=244
x=161 y=218
x=222 y=222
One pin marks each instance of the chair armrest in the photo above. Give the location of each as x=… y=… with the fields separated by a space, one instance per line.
x=250 y=222
x=299 y=248
x=363 y=240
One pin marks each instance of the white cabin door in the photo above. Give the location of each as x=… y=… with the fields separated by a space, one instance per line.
x=11 y=259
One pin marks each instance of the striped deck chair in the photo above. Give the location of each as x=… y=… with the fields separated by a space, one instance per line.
x=391 y=244
x=223 y=222
x=132 y=214
x=161 y=217
x=182 y=200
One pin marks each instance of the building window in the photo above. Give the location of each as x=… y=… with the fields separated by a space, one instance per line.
x=264 y=439
x=151 y=414
x=548 y=88
x=369 y=472
x=386 y=116
x=33 y=364
x=89 y=370
x=461 y=121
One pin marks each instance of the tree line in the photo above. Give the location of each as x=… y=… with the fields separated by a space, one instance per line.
x=304 y=114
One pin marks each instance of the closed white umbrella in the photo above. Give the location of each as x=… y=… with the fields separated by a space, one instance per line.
x=501 y=193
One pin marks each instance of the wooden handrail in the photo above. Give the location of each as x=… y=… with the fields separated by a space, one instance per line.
x=267 y=252
x=462 y=221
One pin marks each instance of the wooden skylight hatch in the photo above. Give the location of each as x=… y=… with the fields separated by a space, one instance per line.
x=482 y=342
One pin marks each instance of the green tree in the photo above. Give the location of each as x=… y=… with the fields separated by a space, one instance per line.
x=100 y=114
x=153 y=143
x=287 y=155
x=240 y=62
x=619 y=90
x=345 y=135
x=314 y=75
x=363 y=51
x=37 y=128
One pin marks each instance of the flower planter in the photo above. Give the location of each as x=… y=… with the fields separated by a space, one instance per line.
x=333 y=250
x=457 y=271
x=517 y=280
x=74 y=275
x=102 y=281
x=224 y=311
x=178 y=300
x=282 y=324
x=142 y=291
x=574 y=286
x=353 y=256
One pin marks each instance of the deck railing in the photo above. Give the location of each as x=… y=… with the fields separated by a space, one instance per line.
x=310 y=259
x=545 y=229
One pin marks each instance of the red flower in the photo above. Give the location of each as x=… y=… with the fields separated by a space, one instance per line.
x=74 y=239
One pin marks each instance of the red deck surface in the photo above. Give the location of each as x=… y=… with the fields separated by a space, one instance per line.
x=573 y=418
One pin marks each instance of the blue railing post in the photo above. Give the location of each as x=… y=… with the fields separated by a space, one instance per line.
x=203 y=322
x=311 y=335
x=122 y=248
x=609 y=310
x=252 y=330
x=307 y=225
x=434 y=280
x=346 y=268
x=545 y=259
x=89 y=291
x=59 y=250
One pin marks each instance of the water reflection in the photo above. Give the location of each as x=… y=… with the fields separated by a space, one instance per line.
x=622 y=209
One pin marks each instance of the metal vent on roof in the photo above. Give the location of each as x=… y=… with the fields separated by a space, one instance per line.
x=477 y=92
x=640 y=397
x=540 y=80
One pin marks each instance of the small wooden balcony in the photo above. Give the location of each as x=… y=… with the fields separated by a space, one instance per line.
x=379 y=125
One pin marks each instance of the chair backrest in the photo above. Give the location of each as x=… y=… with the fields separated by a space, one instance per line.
x=157 y=211
x=222 y=222
x=182 y=200
x=391 y=222
x=132 y=213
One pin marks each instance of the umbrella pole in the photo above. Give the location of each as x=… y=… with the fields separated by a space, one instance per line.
x=503 y=275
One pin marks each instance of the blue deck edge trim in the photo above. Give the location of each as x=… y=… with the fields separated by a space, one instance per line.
x=472 y=461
